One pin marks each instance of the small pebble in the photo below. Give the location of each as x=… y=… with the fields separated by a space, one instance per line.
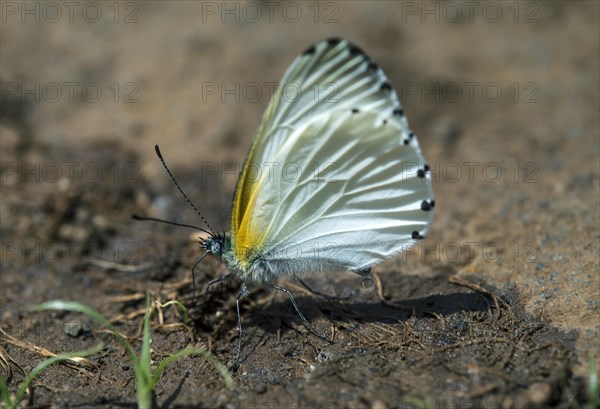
x=539 y=393
x=73 y=328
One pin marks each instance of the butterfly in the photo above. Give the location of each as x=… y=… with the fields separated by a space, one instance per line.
x=334 y=179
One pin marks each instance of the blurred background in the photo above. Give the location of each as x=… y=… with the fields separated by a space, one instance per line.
x=503 y=96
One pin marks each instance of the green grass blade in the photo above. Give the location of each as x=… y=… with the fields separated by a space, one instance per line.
x=186 y=314
x=593 y=383
x=48 y=362
x=143 y=369
x=5 y=393
x=145 y=355
x=417 y=403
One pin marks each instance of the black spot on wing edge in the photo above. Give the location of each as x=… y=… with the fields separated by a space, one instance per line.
x=310 y=50
x=356 y=50
x=386 y=86
x=427 y=206
x=417 y=236
x=421 y=172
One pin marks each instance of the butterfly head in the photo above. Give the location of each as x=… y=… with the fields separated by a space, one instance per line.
x=215 y=244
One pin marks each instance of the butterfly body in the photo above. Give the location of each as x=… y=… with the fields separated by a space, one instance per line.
x=259 y=268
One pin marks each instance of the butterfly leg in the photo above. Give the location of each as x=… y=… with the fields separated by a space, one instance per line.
x=304 y=320
x=194 y=274
x=243 y=293
x=215 y=281
x=320 y=294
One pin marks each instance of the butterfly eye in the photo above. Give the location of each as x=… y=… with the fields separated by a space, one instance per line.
x=216 y=247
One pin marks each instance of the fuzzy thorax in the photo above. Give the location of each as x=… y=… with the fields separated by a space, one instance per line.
x=254 y=270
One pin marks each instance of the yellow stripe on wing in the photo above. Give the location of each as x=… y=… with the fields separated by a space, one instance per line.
x=249 y=237
x=246 y=236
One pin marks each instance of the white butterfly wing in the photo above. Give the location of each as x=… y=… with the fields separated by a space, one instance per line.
x=332 y=74
x=331 y=182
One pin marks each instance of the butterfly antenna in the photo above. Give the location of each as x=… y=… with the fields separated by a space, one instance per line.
x=136 y=217
x=212 y=232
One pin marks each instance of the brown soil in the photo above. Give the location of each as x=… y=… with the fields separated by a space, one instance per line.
x=500 y=304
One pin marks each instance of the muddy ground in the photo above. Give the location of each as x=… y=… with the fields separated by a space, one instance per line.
x=498 y=307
